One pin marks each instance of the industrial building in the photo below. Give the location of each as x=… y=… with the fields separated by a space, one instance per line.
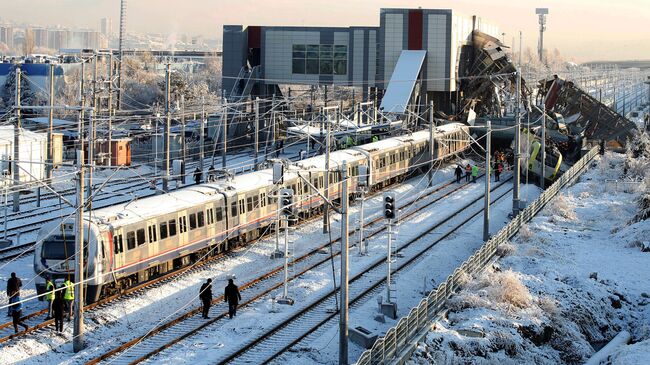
x=364 y=57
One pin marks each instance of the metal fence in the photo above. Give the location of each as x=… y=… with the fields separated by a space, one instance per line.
x=394 y=345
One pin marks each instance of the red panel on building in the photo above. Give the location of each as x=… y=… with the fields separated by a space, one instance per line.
x=415 y=29
x=254 y=36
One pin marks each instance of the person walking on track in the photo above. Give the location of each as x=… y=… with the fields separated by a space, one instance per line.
x=13 y=288
x=58 y=308
x=468 y=172
x=232 y=296
x=459 y=174
x=49 y=295
x=206 y=297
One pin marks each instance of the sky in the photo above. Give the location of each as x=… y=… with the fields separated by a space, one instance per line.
x=582 y=30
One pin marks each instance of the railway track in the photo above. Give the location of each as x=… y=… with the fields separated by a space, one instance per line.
x=291 y=330
x=189 y=323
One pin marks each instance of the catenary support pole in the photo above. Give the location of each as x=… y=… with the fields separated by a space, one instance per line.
x=78 y=330
x=168 y=123
x=202 y=135
x=542 y=177
x=343 y=321
x=17 y=133
x=389 y=233
x=50 y=116
x=224 y=129
x=326 y=214
x=257 y=131
x=285 y=291
x=488 y=168
x=362 y=248
x=431 y=144
x=517 y=162
x=183 y=144
x=110 y=111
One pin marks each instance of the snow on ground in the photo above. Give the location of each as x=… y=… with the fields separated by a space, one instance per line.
x=569 y=282
x=124 y=319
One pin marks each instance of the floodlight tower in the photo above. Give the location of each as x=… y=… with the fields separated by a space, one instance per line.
x=541 y=13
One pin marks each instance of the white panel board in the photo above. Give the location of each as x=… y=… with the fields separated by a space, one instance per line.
x=402 y=82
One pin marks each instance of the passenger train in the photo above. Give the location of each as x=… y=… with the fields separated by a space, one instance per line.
x=129 y=243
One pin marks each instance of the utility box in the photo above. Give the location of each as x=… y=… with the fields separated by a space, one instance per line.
x=362 y=337
x=120 y=152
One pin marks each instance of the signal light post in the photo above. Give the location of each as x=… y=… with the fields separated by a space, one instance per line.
x=286 y=203
x=390 y=213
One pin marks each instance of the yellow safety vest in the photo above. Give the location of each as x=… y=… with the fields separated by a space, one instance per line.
x=69 y=290
x=49 y=288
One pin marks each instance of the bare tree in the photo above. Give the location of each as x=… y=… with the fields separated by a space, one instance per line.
x=28 y=43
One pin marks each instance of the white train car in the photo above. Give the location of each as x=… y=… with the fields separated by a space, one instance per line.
x=129 y=243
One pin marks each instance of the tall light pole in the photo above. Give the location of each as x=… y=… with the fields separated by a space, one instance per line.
x=541 y=13
x=343 y=320
x=17 y=133
x=517 y=162
x=168 y=122
x=78 y=339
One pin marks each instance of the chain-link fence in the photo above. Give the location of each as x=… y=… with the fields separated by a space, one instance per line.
x=395 y=344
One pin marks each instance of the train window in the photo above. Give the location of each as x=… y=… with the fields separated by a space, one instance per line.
x=163 y=230
x=263 y=199
x=256 y=201
x=139 y=234
x=182 y=224
x=172 y=228
x=242 y=207
x=117 y=243
x=151 y=236
x=219 y=212
x=130 y=240
x=192 y=221
x=210 y=214
x=320 y=181
x=200 y=219
x=269 y=199
x=233 y=209
x=249 y=204
x=294 y=188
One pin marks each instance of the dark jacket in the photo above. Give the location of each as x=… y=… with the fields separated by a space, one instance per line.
x=231 y=294
x=206 y=292
x=58 y=306
x=13 y=285
x=459 y=171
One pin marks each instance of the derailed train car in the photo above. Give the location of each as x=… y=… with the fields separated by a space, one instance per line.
x=130 y=243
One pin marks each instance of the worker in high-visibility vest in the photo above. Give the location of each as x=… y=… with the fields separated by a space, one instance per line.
x=49 y=295
x=68 y=296
x=475 y=173
x=375 y=138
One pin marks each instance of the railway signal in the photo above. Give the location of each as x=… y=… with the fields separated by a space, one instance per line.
x=389 y=206
x=286 y=201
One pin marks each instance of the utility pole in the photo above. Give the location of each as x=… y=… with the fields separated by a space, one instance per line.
x=486 y=208
x=202 y=135
x=362 y=248
x=91 y=152
x=167 y=129
x=121 y=42
x=50 y=143
x=224 y=128
x=17 y=133
x=110 y=110
x=82 y=102
x=78 y=333
x=257 y=130
x=431 y=145
x=183 y=144
x=343 y=321
x=326 y=215
x=517 y=162
x=542 y=178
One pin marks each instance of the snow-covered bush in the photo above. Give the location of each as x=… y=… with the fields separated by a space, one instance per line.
x=525 y=234
x=506 y=249
x=509 y=289
x=563 y=207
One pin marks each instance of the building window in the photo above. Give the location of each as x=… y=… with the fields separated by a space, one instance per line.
x=319 y=59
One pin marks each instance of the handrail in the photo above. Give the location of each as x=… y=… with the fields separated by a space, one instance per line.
x=399 y=342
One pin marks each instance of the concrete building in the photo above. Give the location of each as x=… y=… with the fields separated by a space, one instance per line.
x=40 y=37
x=355 y=56
x=7 y=35
x=106 y=27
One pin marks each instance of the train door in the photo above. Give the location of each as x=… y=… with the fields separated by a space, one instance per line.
x=232 y=209
x=182 y=228
x=152 y=238
x=119 y=246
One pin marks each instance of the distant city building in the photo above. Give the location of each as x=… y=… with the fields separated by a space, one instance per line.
x=40 y=37
x=59 y=38
x=7 y=35
x=106 y=27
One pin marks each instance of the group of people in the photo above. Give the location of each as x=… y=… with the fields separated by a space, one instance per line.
x=473 y=172
x=198 y=175
x=59 y=301
x=231 y=296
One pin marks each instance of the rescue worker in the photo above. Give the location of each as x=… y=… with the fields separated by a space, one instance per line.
x=349 y=142
x=58 y=308
x=205 y=293
x=497 y=173
x=468 y=172
x=212 y=174
x=474 y=173
x=68 y=296
x=375 y=138
x=459 y=174
x=13 y=288
x=232 y=296
x=17 y=312
x=197 y=176
x=49 y=295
